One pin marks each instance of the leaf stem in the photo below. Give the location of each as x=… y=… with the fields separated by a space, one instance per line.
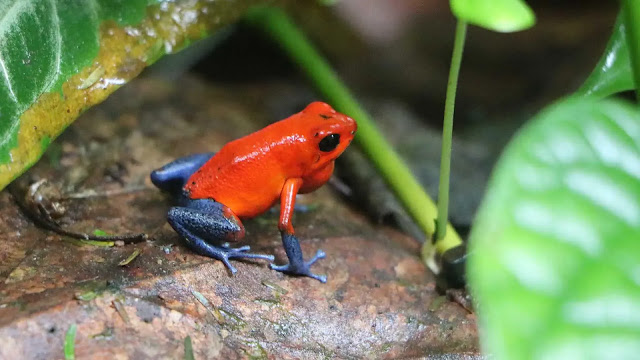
x=392 y=168
x=631 y=13
x=447 y=130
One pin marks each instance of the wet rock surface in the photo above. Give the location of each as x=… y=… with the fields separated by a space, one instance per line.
x=379 y=302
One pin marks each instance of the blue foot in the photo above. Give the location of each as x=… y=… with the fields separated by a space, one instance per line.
x=304 y=270
x=297 y=265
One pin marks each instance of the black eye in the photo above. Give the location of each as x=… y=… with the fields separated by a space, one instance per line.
x=329 y=142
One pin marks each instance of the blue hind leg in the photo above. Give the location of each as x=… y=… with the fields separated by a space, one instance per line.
x=172 y=177
x=205 y=223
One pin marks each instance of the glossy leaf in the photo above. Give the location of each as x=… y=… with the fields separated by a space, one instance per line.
x=612 y=74
x=555 y=250
x=59 y=57
x=496 y=15
x=631 y=13
x=42 y=43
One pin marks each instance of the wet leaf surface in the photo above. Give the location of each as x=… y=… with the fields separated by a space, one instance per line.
x=612 y=74
x=555 y=243
x=379 y=301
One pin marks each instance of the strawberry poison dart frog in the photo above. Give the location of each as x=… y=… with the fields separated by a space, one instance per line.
x=214 y=191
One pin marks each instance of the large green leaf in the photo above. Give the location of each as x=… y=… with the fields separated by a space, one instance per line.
x=42 y=43
x=59 y=57
x=496 y=15
x=555 y=250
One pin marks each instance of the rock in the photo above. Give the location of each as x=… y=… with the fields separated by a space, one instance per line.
x=379 y=301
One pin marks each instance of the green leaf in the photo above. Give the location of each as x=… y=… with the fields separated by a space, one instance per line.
x=612 y=74
x=60 y=57
x=555 y=250
x=188 y=349
x=496 y=15
x=100 y=232
x=42 y=43
x=70 y=343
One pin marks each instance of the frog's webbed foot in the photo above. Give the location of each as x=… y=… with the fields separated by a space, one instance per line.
x=304 y=269
x=297 y=265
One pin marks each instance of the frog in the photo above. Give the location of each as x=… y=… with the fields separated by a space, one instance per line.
x=216 y=191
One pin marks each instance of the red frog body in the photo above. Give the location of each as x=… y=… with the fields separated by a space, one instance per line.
x=249 y=175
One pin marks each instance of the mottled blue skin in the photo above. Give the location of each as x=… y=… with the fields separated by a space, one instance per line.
x=203 y=224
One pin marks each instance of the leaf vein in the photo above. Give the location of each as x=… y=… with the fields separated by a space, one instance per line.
x=10 y=15
x=55 y=19
x=5 y=75
x=7 y=135
x=615 y=118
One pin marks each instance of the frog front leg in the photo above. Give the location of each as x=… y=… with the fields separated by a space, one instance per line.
x=204 y=223
x=296 y=265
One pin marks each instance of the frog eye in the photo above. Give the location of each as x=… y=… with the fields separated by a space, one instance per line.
x=329 y=142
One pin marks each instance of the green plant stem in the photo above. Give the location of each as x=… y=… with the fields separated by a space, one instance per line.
x=392 y=168
x=631 y=13
x=447 y=130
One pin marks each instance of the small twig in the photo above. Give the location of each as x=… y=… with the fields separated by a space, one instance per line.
x=106 y=193
x=119 y=306
x=42 y=219
x=48 y=223
x=207 y=305
x=130 y=258
x=340 y=186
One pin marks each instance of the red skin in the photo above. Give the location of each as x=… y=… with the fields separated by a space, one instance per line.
x=249 y=175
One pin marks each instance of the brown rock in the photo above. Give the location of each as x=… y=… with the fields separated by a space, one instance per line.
x=377 y=302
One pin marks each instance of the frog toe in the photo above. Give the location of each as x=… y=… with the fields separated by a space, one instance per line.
x=319 y=255
x=241 y=253
x=299 y=270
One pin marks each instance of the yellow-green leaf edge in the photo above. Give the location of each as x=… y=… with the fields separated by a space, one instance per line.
x=167 y=27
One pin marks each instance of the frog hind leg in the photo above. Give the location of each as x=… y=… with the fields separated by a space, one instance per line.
x=172 y=176
x=204 y=223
